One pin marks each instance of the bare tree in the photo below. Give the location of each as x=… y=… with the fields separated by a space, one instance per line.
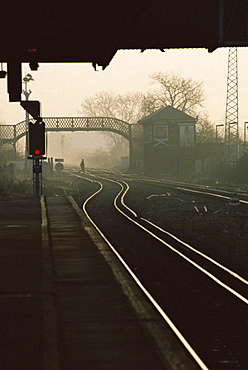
x=205 y=131
x=126 y=107
x=99 y=105
x=176 y=91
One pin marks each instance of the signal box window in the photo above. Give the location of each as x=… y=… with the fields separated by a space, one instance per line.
x=160 y=132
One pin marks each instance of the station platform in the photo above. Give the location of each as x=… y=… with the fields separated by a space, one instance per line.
x=66 y=301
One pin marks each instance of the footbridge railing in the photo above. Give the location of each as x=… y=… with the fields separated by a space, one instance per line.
x=12 y=133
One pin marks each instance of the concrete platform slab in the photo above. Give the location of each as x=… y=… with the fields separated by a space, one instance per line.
x=62 y=303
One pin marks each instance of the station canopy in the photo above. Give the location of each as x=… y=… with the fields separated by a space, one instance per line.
x=92 y=31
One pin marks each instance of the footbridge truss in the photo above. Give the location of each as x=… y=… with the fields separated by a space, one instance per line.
x=10 y=134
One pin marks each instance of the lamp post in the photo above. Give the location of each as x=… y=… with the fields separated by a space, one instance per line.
x=245 y=129
x=26 y=93
x=216 y=131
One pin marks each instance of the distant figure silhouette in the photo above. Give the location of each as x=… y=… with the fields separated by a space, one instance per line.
x=82 y=165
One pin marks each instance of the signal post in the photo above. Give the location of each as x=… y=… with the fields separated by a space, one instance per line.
x=36 y=132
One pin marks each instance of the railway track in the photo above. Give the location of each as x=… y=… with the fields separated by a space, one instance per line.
x=205 y=300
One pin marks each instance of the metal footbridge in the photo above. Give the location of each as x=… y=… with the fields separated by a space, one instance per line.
x=10 y=134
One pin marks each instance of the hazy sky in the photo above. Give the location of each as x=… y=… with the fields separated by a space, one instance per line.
x=61 y=87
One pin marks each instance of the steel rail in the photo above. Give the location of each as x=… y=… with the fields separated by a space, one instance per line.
x=185 y=343
x=121 y=196
x=218 y=281
x=190 y=190
x=177 y=185
x=224 y=268
x=234 y=274
x=211 y=194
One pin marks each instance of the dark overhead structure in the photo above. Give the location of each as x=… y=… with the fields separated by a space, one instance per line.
x=36 y=31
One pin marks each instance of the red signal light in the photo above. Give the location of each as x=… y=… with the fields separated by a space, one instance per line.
x=37 y=138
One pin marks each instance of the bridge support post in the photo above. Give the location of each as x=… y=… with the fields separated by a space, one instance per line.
x=132 y=166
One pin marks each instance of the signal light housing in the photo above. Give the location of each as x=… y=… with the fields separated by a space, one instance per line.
x=36 y=138
x=3 y=74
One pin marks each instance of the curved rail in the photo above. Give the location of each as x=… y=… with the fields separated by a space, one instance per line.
x=136 y=221
x=185 y=253
x=214 y=278
x=138 y=282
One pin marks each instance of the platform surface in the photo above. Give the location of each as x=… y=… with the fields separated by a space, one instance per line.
x=61 y=306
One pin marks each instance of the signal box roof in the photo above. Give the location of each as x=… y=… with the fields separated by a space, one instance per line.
x=166 y=114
